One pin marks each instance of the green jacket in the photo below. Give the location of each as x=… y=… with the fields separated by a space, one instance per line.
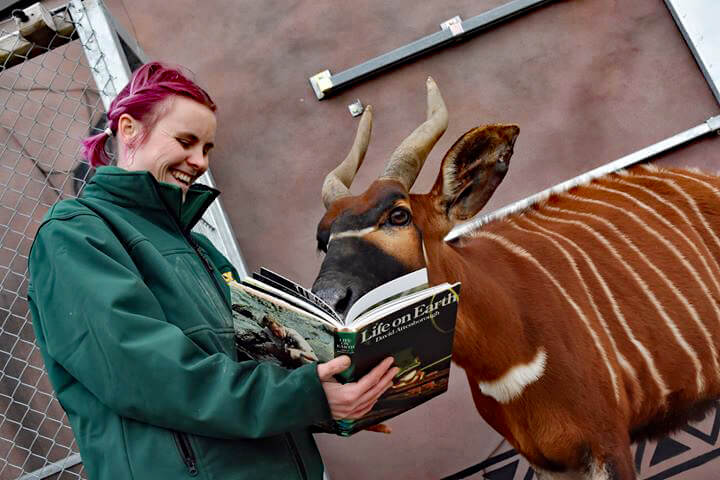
x=133 y=319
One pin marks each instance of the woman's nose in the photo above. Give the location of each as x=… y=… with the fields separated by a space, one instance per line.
x=198 y=161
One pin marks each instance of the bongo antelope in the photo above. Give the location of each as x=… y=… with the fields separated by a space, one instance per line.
x=587 y=321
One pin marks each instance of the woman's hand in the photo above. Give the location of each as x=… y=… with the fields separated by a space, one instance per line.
x=353 y=400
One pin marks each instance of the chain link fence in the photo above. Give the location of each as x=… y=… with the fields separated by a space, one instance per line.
x=48 y=102
x=59 y=69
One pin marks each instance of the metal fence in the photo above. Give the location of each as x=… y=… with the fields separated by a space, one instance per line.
x=48 y=102
x=59 y=69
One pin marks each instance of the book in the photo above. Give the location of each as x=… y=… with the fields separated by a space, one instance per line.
x=279 y=321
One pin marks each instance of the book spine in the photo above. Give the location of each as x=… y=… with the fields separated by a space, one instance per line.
x=345 y=345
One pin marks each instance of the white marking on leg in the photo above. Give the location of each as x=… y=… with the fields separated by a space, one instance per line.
x=670 y=284
x=511 y=385
x=585 y=320
x=700 y=381
x=597 y=471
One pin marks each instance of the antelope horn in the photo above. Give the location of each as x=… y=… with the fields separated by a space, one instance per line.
x=407 y=159
x=337 y=183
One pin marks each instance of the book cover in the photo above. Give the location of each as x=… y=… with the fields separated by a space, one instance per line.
x=419 y=337
x=416 y=329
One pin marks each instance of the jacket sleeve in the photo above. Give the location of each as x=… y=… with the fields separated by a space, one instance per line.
x=104 y=326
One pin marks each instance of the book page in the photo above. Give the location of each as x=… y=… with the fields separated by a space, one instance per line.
x=270 y=330
x=297 y=302
x=296 y=290
x=386 y=291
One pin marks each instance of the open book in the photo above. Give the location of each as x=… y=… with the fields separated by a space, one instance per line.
x=279 y=321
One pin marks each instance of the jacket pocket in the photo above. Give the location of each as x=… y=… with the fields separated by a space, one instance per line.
x=201 y=290
x=186 y=452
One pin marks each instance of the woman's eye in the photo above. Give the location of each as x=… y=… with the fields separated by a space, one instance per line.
x=184 y=142
x=399 y=217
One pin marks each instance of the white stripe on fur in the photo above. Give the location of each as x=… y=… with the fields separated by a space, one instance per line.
x=687 y=197
x=699 y=379
x=647 y=356
x=351 y=233
x=585 y=320
x=688 y=266
x=703 y=257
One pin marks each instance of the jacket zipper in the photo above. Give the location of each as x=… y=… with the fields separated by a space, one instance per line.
x=186 y=452
x=296 y=454
x=208 y=267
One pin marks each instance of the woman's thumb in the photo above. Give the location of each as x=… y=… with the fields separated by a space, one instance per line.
x=327 y=370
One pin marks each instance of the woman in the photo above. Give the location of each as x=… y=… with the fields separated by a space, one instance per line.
x=133 y=317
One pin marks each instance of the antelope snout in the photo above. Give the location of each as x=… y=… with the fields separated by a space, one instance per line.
x=340 y=297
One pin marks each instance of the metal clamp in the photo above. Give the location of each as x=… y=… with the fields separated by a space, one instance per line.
x=37 y=27
x=453 y=25
x=714 y=124
x=321 y=83
x=356 y=108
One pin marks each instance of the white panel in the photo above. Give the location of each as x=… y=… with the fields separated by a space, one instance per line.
x=699 y=22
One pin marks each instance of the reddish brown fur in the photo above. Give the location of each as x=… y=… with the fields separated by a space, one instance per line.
x=510 y=310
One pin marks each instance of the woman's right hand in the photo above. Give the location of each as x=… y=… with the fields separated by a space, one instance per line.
x=355 y=399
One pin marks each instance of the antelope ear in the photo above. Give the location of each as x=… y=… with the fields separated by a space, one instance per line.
x=473 y=168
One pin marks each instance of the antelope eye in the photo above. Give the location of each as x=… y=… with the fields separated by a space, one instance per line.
x=399 y=217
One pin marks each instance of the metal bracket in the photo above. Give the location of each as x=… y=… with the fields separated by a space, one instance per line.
x=321 y=83
x=356 y=108
x=713 y=124
x=453 y=25
x=37 y=27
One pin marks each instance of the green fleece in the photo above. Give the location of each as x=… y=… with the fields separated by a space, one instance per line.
x=134 y=322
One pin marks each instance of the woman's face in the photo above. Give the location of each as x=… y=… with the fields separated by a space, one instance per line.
x=176 y=148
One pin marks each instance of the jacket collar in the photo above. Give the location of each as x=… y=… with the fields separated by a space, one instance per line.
x=140 y=189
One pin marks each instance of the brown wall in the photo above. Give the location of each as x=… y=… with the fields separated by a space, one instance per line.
x=588 y=81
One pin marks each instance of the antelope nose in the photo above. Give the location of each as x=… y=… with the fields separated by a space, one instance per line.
x=334 y=294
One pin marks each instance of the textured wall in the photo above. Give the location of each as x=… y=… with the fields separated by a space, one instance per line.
x=587 y=81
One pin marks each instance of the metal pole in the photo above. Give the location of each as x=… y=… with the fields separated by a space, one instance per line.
x=216 y=216
x=325 y=83
x=53 y=468
x=711 y=125
x=102 y=48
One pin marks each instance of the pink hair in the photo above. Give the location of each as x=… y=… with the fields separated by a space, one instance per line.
x=149 y=87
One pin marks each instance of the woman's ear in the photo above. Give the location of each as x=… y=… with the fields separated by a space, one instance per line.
x=472 y=170
x=128 y=129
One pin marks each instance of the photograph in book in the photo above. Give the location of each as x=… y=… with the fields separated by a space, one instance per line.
x=415 y=327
